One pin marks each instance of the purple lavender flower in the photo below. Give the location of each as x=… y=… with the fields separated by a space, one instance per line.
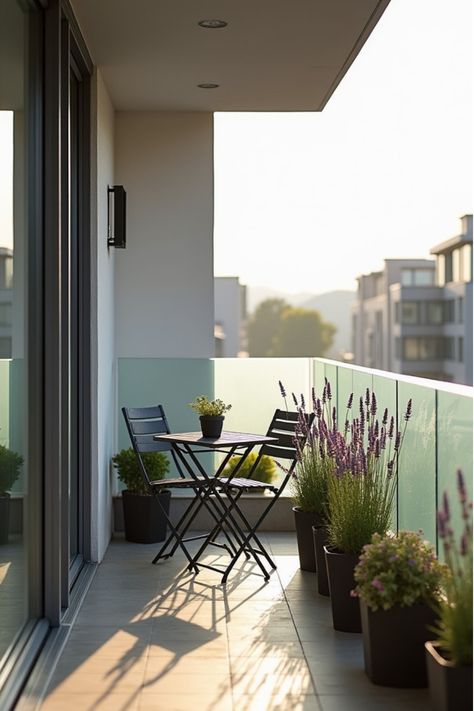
x=464 y=544
x=397 y=441
x=319 y=409
x=408 y=410
x=391 y=427
x=461 y=486
x=385 y=416
x=295 y=400
x=373 y=405
x=446 y=511
x=367 y=398
x=282 y=389
x=303 y=404
x=377 y=449
x=328 y=389
x=349 y=402
x=313 y=398
x=324 y=395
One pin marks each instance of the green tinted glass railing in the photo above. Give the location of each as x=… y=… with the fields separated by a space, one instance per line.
x=438 y=439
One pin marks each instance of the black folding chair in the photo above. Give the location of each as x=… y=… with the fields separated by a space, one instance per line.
x=290 y=429
x=142 y=424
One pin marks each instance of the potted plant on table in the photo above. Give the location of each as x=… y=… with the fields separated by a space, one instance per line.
x=144 y=521
x=449 y=656
x=398 y=582
x=211 y=415
x=10 y=464
x=360 y=498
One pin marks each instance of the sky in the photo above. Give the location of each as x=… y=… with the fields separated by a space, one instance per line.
x=308 y=201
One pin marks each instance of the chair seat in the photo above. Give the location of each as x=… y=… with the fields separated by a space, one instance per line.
x=178 y=483
x=241 y=483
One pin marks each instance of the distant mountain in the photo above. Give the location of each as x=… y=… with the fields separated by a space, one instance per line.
x=334 y=306
x=257 y=294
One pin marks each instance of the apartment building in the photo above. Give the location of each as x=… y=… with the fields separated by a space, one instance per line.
x=415 y=315
x=230 y=314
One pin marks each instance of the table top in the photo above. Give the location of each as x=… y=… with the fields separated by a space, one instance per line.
x=227 y=439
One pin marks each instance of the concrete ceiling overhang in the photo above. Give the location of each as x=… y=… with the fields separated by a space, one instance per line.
x=274 y=55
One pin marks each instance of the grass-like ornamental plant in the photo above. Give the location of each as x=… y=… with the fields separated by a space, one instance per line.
x=264 y=472
x=128 y=469
x=398 y=570
x=362 y=490
x=454 y=624
x=10 y=464
x=203 y=406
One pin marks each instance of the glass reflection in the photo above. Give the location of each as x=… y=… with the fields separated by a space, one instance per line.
x=13 y=434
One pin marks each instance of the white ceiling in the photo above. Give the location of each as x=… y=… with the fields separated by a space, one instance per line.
x=274 y=55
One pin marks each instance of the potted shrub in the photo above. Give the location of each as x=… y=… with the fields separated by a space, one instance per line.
x=143 y=518
x=10 y=464
x=211 y=415
x=449 y=656
x=309 y=482
x=398 y=581
x=265 y=471
x=360 y=498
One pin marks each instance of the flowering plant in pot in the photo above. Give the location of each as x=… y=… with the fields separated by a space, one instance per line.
x=309 y=482
x=211 y=414
x=449 y=655
x=360 y=496
x=398 y=582
x=144 y=521
x=10 y=465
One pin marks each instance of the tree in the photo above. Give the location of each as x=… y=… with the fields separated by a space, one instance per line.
x=280 y=330
x=263 y=326
x=302 y=333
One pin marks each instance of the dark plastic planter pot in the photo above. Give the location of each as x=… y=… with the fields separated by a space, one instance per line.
x=144 y=520
x=394 y=644
x=345 y=608
x=4 y=517
x=450 y=686
x=211 y=426
x=320 y=539
x=304 y=522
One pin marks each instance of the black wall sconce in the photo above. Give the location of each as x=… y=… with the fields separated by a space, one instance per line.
x=117 y=215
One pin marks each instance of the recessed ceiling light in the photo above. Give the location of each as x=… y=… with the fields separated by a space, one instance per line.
x=208 y=85
x=212 y=24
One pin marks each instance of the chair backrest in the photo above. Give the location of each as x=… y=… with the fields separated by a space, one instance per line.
x=285 y=427
x=142 y=424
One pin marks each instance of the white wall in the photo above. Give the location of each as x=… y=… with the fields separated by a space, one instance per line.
x=164 y=278
x=102 y=315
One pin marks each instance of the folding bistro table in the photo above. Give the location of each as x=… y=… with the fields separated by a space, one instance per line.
x=187 y=446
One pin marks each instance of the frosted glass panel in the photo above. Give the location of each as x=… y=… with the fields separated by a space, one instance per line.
x=250 y=385
x=417 y=475
x=454 y=450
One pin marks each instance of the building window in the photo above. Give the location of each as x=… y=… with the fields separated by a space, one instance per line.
x=461 y=309
x=398 y=350
x=417 y=277
x=410 y=312
x=428 y=348
x=5 y=351
x=440 y=270
x=397 y=312
x=435 y=312
x=466 y=258
x=449 y=348
x=449 y=311
x=448 y=272
x=460 y=349
x=6 y=314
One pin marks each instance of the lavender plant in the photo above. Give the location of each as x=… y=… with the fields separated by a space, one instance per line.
x=454 y=624
x=362 y=490
x=397 y=570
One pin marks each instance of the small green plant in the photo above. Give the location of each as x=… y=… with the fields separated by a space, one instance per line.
x=454 y=624
x=128 y=469
x=10 y=464
x=203 y=406
x=398 y=570
x=264 y=472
